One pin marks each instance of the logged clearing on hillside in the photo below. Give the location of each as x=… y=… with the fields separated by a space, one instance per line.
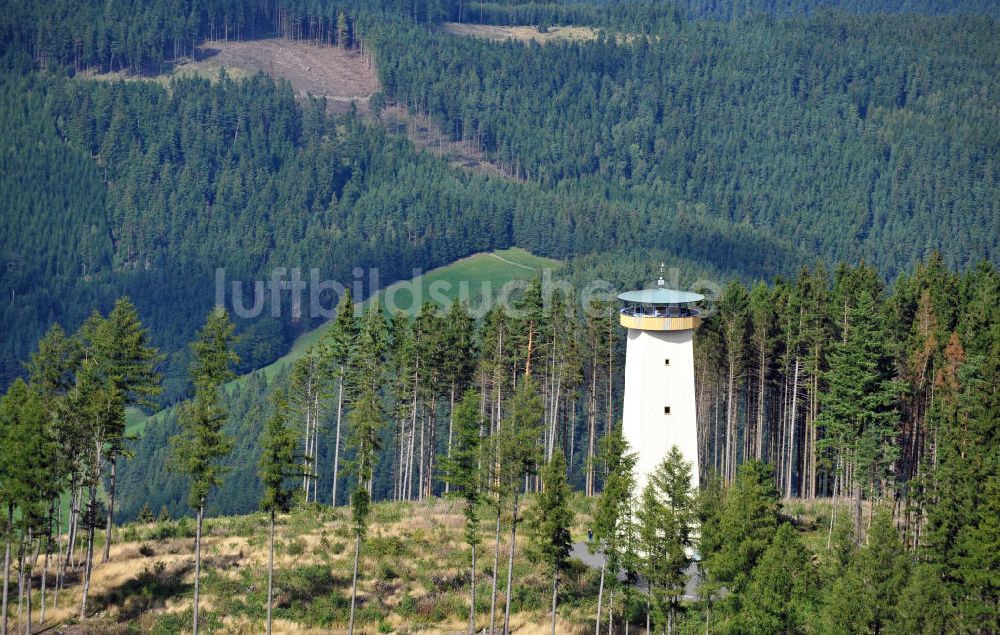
x=413 y=576
x=427 y=135
x=342 y=76
x=522 y=33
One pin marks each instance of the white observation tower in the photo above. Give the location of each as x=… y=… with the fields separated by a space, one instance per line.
x=659 y=410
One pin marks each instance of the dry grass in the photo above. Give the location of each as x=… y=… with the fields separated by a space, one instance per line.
x=342 y=76
x=411 y=575
x=522 y=33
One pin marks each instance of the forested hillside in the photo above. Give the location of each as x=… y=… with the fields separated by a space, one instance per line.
x=839 y=136
x=852 y=137
x=882 y=401
x=158 y=188
x=828 y=167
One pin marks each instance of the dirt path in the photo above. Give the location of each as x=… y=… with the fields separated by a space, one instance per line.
x=596 y=561
x=511 y=262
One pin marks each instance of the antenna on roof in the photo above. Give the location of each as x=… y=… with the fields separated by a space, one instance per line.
x=660 y=281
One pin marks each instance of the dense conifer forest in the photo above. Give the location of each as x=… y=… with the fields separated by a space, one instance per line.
x=830 y=164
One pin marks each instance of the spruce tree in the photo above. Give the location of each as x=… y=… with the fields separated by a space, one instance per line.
x=613 y=524
x=550 y=523
x=52 y=372
x=881 y=569
x=666 y=516
x=338 y=345
x=521 y=432
x=27 y=469
x=128 y=360
x=366 y=421
x=98 y=414
x=955 y=584
x=277 y=465
x=463 y=471
x=458 y=362
x=202 y=444
x=780 y=594
x=746 y=518
x=859 y=407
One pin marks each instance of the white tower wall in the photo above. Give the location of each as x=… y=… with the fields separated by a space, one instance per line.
x=651 y=385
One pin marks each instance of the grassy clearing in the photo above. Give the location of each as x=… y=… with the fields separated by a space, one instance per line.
x=414 y=576
x=414 y=573
x=522 y=33
x=493 y=269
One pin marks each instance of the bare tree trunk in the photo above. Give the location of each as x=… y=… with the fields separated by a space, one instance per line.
x=354 y=583
x=431 y=448
x=197 y=564
x=791 y=436
x=759 y=440
x=451 y=424
x=555 y=414
x=496 y=565
x=592 y=421
x=715 y=447
x=611 y=611
x=30 y=573
x=111 y=510
x=76 y=497
x=600 y=599
x=833 y=505
x=611 y=370
x=555 y=585
x=89 y=565
x=413 y=436
x=315 y=446
x=21 y=552
x=6 y=563
x=270 y=572
x=420 y=473
x=572 y=439
x=59 y=554
x=307 y=457
x=510 y=565
x=45 y=570
x=472 y=593
x=857 y=508
x=729 y=467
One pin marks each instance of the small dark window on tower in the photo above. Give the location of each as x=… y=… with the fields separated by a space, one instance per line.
x=666 y=410
x=666 y=362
